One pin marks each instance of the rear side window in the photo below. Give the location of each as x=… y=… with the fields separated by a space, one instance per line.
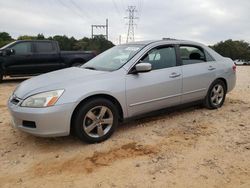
x=191 y=55
x=160 y=58
x=44 y=47
x=22 y=48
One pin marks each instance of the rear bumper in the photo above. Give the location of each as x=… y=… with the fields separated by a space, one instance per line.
x=231 y=82
x=49 y=122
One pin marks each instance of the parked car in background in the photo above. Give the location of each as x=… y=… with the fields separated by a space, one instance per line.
x=125 y=81
x=241 y=62
x=31 y=57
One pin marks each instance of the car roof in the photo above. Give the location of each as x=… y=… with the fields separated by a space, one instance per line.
x=34 y=40
x=165 y=41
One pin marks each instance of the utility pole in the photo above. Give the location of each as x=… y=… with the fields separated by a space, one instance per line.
x=100 y=27
x=131 y=17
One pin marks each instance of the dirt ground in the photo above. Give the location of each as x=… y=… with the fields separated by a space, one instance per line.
x=191 y=147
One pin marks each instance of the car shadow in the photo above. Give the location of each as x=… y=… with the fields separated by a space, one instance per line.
x=160 y=114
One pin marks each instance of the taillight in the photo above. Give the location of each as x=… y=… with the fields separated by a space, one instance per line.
x=234 y=68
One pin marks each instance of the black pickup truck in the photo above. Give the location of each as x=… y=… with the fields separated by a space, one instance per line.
x=32 y=57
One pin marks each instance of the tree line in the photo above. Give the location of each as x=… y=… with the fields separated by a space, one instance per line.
x=235 y=49
x=98 y=44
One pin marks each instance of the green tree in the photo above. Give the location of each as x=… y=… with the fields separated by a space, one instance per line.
x=5 y=38
x=233 y=49
x=65 y=43
x=26 y=37
x=40 y=36
x=98 y=44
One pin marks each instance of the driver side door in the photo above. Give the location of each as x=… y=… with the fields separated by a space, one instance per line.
x=157 y=89
x=20 y=62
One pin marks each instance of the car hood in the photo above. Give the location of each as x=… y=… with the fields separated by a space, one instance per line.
x=60 y=79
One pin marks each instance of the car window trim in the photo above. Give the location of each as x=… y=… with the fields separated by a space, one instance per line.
x=209 y=55
x=36 y=49
x=154 y=47
x=19 y=42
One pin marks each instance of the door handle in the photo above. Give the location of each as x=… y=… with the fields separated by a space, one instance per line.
x=211 y=68
x=174 y=75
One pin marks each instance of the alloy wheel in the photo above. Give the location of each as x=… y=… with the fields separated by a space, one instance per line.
x=217 y=95
x=98 y=121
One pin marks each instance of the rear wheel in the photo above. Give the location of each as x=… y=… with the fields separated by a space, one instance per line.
x=96 y=120
x=216 y=95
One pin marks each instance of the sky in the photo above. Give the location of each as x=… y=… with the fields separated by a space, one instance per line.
x=206 y=21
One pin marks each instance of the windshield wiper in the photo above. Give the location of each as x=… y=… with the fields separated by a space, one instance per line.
x=91 y=68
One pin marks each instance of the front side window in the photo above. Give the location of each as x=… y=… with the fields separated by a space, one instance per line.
x=44 y=47
x=160 y=58
x=191 y=55
x=22 y=48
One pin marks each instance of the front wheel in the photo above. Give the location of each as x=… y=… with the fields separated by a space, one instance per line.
x=96 y=120
x=216 y=95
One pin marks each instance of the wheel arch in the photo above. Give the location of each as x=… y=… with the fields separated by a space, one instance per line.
x=224 y=81
x=105 y=96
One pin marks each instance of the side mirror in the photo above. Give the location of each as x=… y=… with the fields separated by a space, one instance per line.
x=9 y=52
x=143 y=67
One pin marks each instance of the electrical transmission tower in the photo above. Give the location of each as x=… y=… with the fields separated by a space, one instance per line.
x=100 y=27
x=131 y=17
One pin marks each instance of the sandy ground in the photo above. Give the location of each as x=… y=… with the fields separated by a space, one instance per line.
x=191 y=147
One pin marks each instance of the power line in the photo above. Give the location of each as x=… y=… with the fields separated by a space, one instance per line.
x=123 y=4
x=140 y=6
x=116 y=8
x=131 y=17
x=76 y=9
x=67 y=7
x=81 y=11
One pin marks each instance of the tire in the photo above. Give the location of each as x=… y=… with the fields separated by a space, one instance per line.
x=216 y=95
x=95 y=120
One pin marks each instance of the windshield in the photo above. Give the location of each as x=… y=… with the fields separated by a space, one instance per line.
x=113 y=58
x=7 y=45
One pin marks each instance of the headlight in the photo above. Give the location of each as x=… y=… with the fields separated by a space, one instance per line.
x=42 y=99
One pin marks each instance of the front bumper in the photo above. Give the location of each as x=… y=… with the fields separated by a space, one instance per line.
x=49 y=122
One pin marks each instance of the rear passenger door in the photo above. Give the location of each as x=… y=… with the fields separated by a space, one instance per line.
x=47 y=57
x=198 y=69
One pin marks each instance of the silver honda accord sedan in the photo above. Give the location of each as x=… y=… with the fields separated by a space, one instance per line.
x=125 y=81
